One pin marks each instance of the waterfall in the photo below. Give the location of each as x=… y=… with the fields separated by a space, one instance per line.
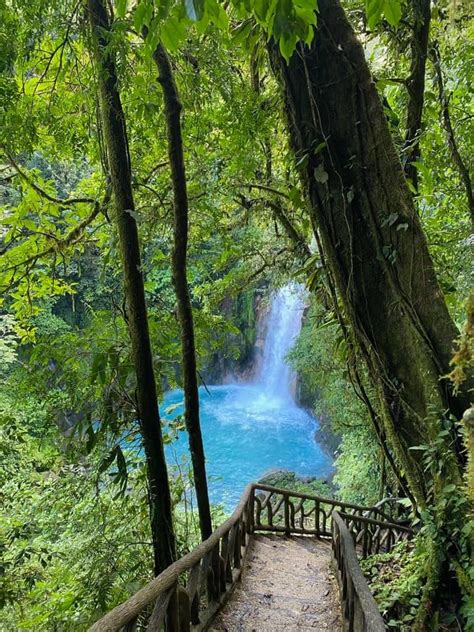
x=283 y=326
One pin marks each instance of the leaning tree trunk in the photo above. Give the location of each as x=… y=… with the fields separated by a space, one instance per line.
x=180 y=282
x=115 y=139
x=371 y=235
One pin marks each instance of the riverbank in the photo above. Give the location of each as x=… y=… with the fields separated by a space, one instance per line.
x=318 y=486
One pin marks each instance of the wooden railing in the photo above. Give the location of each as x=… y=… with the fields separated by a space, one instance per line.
x=360 y=534
x=286 y=511
x=374 y=536
x=359 y=610
x=189 y=593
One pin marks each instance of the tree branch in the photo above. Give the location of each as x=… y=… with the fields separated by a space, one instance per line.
x=70 y=238
x=415 y=85
x=449 y=130
x=27 y=178
x=263 y=187
x=290 y=229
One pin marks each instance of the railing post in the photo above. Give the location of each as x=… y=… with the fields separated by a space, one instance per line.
x=216 y=567
x=269 y=509
x=287 y=514
x=251 y=516
x=184 y=610
x=237 y=546
x=225 y=552
x=365 y=539
x=172 y=613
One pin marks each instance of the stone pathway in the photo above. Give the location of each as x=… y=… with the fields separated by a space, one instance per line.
x=287 y=586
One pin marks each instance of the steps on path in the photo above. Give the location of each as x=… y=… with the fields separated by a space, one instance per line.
x=287 y=586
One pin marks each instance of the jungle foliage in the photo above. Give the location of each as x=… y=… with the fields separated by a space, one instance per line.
x=260 y=180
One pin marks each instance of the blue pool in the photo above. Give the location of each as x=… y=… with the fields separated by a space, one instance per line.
x=247 y=433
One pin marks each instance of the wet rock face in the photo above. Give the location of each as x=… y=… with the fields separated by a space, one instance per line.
x=240 y=357
x=287 y=586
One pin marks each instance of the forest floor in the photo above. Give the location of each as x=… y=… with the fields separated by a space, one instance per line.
x=287 y=585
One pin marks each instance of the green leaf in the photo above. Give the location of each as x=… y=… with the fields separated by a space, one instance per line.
x=91 y=438
x=164 y=9
x=99 y=364
x=393 y=11
x=373 y=9
x=173 y=32
x=320 y=175
x=449 y=489
x=194 y=9
x=120 y=8
x=108 y=460
x=241 y=32
x=143 y=15
x=217 y=14
x=319 y=148
x=262 y=9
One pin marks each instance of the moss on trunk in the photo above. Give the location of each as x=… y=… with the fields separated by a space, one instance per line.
x=371 y=235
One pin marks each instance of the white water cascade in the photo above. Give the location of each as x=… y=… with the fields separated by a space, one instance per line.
x=283 y=326
x=252 y=429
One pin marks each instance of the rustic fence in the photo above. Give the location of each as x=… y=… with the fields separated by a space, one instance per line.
x=360 y=534
x=188 y=594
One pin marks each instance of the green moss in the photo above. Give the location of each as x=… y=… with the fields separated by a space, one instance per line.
x=245 y=319
x=290 y=480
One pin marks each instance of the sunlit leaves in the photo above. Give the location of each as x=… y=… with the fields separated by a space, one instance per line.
x=377 y=9
x=8 y=342
x=121 y=8
x=142 y=15
x=173 y=31
x=393 y=11
x=287 y=21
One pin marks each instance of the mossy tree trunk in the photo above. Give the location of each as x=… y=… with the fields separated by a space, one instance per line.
x=371 y=235
x=180 y=282
x=115 y=140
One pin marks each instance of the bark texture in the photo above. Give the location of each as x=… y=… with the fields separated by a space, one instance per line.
x=371 y=235
x=115 y=140
x=180 y=282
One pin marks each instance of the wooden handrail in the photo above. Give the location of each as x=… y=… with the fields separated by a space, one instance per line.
x=374 y=536
x=277 y=511
x=373 y=521
x=128 y=611
x=359 y=609
x=193 y=589
x=324 y=499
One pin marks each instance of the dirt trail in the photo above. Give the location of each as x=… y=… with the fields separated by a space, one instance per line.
x=287 y=585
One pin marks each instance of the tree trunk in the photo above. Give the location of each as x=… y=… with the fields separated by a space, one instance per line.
x=416 y=85
x=180 y=282
x=371 y=235
x=115 y=140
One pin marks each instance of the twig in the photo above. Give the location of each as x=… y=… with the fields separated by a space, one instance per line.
x=42 y=192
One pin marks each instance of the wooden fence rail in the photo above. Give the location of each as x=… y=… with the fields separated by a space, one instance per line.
x=286 y=511
x=359 y=610
x=188 y=594
x=374 y=536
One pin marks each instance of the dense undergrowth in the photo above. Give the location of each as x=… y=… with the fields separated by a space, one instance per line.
x=76 y=537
